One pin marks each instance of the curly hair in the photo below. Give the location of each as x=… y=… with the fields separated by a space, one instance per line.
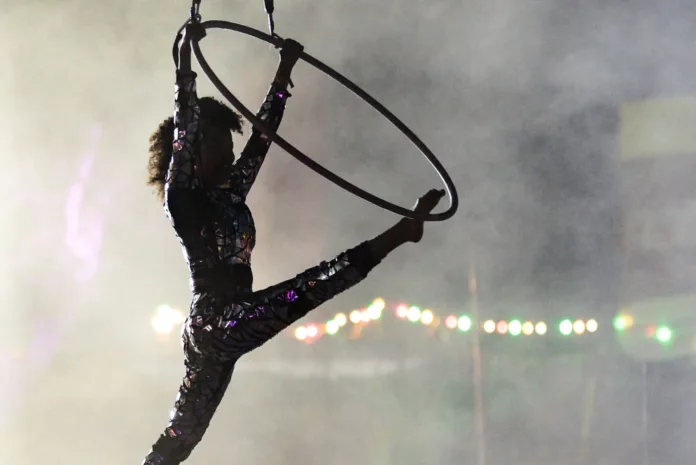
x=162 y=140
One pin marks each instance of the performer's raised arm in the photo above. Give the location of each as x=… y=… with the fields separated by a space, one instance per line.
x=271 y=112
x=187 y=115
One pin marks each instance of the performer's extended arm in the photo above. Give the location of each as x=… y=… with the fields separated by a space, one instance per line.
x=181 y=174
x=271 y=113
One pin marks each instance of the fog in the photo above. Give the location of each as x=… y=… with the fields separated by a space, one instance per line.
x=525 y=104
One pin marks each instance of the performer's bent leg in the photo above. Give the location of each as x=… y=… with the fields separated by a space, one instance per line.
x=199 y=396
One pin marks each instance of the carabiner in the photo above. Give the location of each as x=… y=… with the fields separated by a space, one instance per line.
x=195 y=11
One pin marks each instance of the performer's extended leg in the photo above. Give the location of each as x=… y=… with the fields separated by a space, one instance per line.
x=250 y=322
x=272 y=310
x=199 y=396
x=275 y=308
x=255 y=320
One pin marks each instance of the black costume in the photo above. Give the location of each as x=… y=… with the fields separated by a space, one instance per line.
x=217 y=235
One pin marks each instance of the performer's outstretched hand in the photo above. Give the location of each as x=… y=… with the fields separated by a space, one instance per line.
x=193 y=31
x=290 y=52
x=425 y=204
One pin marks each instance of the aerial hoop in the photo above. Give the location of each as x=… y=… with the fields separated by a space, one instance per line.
x=316 y=167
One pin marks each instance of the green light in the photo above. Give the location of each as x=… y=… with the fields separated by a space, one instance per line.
x=515 y=327
x=413 y=314
x=623 y=322
x=464 y=323
x=663 y=335
x=374 y=311
x=332 y=327
x=566 y=327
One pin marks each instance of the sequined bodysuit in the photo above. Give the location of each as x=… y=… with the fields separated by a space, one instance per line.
x=217 y=235
x=215 y=226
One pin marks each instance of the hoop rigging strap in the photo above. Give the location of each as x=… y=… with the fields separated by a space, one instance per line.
x=268 y=6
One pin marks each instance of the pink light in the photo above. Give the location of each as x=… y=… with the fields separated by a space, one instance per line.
x=402 y=311
x=84 y=232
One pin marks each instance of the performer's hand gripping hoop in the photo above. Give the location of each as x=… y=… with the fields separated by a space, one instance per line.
x=198 y=32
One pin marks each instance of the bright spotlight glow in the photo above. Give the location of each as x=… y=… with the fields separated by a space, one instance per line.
x=451 y=322
x=374 y=312
x=166 y=319
x=301 y=333
x=515 y=327
x=332 y=327
x=464 y=323
x=528 y=328
x=592 y=326
x=379 y=303
x=502 y=327
x=177 y=317
x=663 y=335
x=312 y=331
x=427 y=317
x=164 y=310
x=162 y=325
x=355 y=316
x=489 y=326
x=341 y=319
x=414 y=314
x=579 y=327
x=541 y=328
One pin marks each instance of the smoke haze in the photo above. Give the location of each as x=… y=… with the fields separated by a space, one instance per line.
x=519 y=99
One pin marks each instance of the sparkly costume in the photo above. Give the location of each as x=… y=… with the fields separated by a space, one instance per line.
x=217 y=235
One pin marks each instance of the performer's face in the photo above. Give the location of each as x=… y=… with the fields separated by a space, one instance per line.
x=217 y=154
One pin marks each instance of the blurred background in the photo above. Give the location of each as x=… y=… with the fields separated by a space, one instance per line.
x=551 y=321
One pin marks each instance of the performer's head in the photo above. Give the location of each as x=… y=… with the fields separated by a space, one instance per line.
x=217 y=124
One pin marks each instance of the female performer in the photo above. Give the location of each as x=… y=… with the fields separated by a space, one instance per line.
x=192 y=167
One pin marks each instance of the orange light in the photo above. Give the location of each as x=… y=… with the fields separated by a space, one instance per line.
x=528 y=328
x=341 y=319
x=579 y=327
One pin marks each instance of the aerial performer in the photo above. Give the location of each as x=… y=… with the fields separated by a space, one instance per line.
x=204 y=190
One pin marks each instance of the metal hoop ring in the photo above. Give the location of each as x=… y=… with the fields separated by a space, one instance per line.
x=316 y=167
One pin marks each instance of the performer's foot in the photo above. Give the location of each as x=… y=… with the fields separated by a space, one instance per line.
x=405 y=230
x=425 y=204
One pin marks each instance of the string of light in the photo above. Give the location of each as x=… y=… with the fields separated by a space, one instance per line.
x=167 y=319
